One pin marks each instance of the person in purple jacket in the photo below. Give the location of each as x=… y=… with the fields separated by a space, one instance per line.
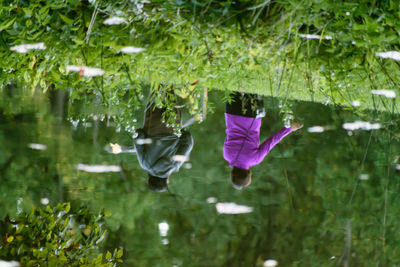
x=242 y=148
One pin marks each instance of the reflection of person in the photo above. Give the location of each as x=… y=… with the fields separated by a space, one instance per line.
x=158 y=149
x=242 y=147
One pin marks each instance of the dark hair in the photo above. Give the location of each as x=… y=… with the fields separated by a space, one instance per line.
x=240 y=178
x=157 y=184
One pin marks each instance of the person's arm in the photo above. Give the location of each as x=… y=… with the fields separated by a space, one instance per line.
x=272 y=141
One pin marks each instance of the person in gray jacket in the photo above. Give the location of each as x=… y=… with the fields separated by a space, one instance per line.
x=159 y=151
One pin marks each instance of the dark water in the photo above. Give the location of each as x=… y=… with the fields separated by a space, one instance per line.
x=321 y=198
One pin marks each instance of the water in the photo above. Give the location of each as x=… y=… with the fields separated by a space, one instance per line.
x=73 y=99
x=300 y=198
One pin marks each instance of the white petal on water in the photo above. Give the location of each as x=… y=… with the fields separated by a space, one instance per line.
x=315 y=36
x=180 y=158
x=37 y=146
x=9 y=263
x=165 y=241
x=98 y=168
x=270 y=263
x=212 y=200
x=131 y=49
x=115 y=148
x=187 y=165
x=355 y=103
x=114 y=21
x=27 y=47
x=315 y=129
x=347 y=13
x=387 y=93
x=144 y=141
x=44 y=201
x=163 y=227
x=85 y=71
x=363 y=176
x=361 y=125
x=232 y=208
x=390 y=54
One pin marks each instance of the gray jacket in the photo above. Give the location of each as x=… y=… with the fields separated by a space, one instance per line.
x=157 y=157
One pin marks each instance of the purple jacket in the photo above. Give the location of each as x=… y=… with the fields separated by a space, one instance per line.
x=241 y=147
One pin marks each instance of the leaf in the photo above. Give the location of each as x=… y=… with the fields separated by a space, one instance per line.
x=67 y=207
x=7 y=24
x=120 y=253
x=66 y=19
x=32 y=63
x=10 y=239
x=108 y=255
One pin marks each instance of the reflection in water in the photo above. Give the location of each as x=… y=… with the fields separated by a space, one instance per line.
x=232 y=208
x=98 y=168
x=166 y=151
x=386 y=93
x=37 y=146
x=270 y=263
x=361 y=125
x=24 y=48
x=85 y=71
x=309 y=205
x=241 y=147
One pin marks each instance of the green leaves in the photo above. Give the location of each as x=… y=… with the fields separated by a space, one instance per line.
x=6 y=24
x=54 y=235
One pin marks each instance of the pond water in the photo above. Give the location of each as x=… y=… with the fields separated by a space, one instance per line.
x=316 y=197
x=96 y=96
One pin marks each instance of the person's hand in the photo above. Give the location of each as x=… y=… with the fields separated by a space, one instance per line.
x=295 y=126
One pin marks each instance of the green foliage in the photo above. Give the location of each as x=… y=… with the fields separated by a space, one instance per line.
x=56 y=237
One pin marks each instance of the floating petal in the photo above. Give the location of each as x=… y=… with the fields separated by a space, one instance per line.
x=390 y=54
x=270 y=263
x=27 y=47
x=315 y=36
x=37 y=146
x=44 y=201
x=98 y=168
x=131 y=49
x=144 y=141
x=232 y=208
x=361 y=125
x=163 y=227
x=115 y=148
x=316 y=129
x=85 y=71
x=386 y=93
x=212 y=200
x=180 y=158
x=114 y=21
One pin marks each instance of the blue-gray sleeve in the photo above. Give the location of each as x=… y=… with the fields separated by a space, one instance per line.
x=185 y=144
x=139 y=147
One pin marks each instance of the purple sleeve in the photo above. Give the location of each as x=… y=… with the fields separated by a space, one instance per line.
x=273 y=140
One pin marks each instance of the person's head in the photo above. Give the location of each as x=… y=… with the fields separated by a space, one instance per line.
x=240 y=178
x=157 y=184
